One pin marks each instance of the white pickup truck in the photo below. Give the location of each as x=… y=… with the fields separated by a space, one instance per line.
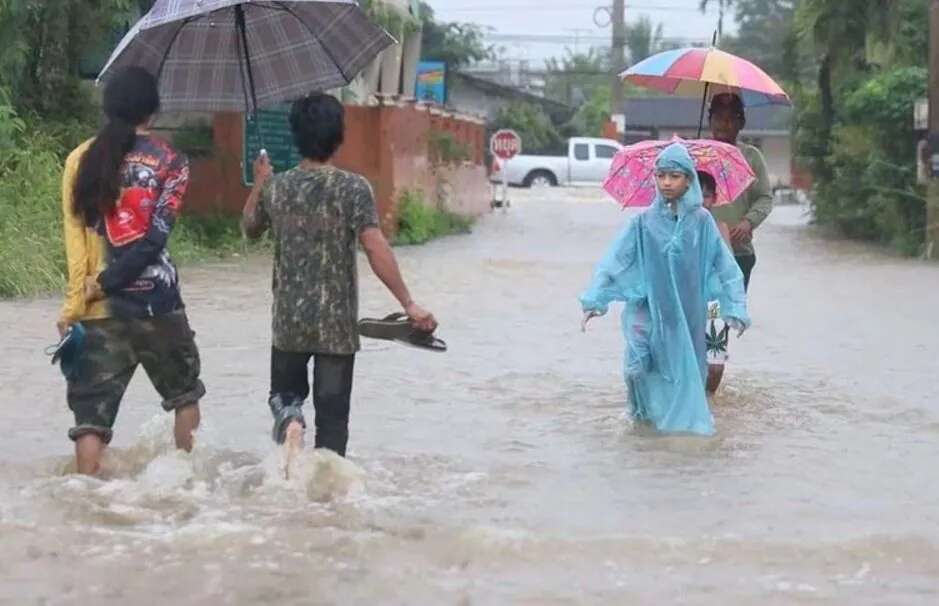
x=587 y=163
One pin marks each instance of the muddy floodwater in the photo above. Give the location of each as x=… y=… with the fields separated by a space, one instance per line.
x=506 y=470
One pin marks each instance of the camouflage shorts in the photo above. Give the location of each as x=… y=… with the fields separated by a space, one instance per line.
x=165 y=347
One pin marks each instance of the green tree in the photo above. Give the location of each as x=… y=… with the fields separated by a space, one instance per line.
x=574 y=78
x=872 y=191
x=457 y=44
x=763 y=28
x=591 y=116
x=643 y=39
x=722 y=6
x=43 y=44
x=840 y=31
x=539 y=135
x=853 y=125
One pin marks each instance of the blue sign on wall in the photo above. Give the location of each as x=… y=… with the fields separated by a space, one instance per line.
x=432 y=81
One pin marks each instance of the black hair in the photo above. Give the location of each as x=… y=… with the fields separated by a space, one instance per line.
x=729 y=100
x=707 y=181
x=130 y=98
x=318 y=125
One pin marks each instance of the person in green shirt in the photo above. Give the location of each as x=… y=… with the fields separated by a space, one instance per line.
x=746 y=213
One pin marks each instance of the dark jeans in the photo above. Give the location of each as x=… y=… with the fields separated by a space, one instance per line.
x=332 y=391
x=746 y=263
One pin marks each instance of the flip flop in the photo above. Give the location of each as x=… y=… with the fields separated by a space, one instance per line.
x=397 y=327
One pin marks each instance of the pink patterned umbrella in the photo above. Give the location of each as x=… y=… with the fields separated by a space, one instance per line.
x=632 y=175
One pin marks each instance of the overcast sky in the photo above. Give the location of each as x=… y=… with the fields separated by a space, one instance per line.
x=557 y=24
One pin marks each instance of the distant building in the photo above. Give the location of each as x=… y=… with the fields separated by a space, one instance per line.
x=471 y=94
x=516 y=74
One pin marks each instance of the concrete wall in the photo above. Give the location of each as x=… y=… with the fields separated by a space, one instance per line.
x=463 y=190
x=389 y=145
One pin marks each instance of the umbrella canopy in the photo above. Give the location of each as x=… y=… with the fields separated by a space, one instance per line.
x=694 y=71
x=631 y=181
x=228 y=55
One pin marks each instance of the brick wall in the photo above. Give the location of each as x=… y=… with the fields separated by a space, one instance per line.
x=388 y=144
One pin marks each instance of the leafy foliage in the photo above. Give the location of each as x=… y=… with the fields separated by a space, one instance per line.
x=592 y=115
x=854 y=127
x=575 y=77
x=44 y=42
x=418 y=223
x=763 y=28
x=539 y=135
x=643 y=39
x=447 y=149
x=390 y=18
x=456 y=44
x=854 y=69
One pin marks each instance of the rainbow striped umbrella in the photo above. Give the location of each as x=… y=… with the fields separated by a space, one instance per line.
x=696 y=71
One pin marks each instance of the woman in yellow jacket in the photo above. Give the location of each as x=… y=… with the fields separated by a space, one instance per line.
x=121 y=194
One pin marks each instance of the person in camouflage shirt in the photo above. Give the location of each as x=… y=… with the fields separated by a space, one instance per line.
x=317 y=215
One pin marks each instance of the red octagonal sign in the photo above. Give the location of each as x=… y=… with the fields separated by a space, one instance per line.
x=505 y=144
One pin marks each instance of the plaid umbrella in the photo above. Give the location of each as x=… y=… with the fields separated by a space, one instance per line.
x=229 y=55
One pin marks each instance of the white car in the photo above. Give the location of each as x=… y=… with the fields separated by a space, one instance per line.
x=587 y=162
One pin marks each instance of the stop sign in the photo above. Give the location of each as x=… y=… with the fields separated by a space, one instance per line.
x=505 y=144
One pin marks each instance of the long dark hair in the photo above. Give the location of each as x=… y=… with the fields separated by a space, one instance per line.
x=130 y=99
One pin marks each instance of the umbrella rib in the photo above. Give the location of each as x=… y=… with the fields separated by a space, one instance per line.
x=169 y=47
x=325 y=47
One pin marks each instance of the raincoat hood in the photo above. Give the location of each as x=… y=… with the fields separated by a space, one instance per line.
x=676 y=157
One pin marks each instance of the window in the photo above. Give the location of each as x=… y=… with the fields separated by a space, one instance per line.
x=582 y=152
x=605 y=152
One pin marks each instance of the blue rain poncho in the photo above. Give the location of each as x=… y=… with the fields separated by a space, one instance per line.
x=666 y=268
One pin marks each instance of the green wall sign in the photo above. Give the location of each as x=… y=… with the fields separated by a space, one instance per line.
x=274 y=128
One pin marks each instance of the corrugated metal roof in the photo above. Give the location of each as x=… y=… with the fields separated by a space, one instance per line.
x=559 y=112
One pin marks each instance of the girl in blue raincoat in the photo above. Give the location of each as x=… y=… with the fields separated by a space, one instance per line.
x=665 y=266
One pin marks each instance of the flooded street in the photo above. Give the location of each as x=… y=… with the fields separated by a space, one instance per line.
x=506 y=471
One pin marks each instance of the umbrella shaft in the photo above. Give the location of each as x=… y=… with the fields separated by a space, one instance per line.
x=243 y=31
x=704 y=101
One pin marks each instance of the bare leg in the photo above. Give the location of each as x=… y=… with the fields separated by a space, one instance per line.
x=88 y=449
x=715 y=375
x=187 y=421
x=293 y=444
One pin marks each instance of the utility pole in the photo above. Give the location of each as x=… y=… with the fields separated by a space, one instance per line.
x=618 y=55
x=932 y=198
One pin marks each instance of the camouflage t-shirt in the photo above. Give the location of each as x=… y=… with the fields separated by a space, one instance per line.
x=315 y=217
